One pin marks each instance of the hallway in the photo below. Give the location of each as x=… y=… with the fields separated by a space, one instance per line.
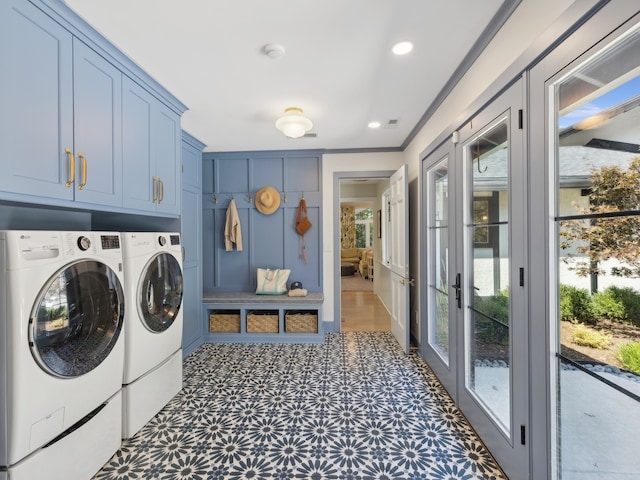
x=362 y=311
x=354 y=407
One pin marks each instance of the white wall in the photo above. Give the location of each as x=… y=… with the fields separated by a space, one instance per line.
x=529 y=22
x=331 y=164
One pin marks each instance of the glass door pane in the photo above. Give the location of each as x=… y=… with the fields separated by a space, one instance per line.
x=597 y=287
x=160 y=296
x=438 y=248
x=487 y=339
x=77 y=319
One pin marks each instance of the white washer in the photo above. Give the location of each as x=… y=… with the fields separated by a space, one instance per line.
x=153 y=325
x=61 y=352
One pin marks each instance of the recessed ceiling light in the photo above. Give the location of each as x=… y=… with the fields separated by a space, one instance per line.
x=374 y=125
x=402 y=48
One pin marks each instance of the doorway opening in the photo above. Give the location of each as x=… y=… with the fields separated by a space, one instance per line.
x=361 y=252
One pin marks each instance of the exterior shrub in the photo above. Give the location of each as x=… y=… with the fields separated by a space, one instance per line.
x=583 y=335
x=575 y=305
x=629 y=356
x=618 y=305
x=493 y=325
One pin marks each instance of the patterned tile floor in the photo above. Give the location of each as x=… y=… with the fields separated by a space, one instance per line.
x=353 y=408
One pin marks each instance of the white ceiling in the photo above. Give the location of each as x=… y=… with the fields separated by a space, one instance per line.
x=338 y=66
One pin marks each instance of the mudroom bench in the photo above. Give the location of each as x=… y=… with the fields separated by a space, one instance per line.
x=239 y=317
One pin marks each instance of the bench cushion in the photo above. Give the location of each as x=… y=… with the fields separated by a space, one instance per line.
x=240 y=298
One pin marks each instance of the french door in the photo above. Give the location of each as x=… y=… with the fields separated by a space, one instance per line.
x=441 y=332
x=476 y=244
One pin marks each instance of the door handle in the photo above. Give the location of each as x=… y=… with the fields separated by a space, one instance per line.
x=84 y=171
x=72 y=167
x=155 y=189
x=458 y=287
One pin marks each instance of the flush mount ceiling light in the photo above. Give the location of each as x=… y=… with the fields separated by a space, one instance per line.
x=274 y=51
x=402 y=48
x=374 y=125
x=293 y=123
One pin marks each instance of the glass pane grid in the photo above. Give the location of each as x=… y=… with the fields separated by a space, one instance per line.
x=597 y=207
x=487 y=338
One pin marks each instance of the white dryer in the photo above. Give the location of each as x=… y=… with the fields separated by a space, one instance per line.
x=61 y=351
x=153 y=325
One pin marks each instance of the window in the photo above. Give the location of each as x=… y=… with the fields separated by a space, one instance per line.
x=485 y=214
x=597 y=284
x=364 y=227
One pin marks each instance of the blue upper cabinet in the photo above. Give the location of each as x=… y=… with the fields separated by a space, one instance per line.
x=76 y=130
x=151 y=152
x=61 y=126
x=97 y=120
x=167 y=146
x=36 y=118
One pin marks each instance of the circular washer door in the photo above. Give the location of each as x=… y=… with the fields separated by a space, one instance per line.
x=160 y=293
x=77 y=319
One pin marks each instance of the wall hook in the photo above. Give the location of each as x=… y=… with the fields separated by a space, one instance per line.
x=215 y=198
x=250 y=199
x=284 y=196
x=478 y=157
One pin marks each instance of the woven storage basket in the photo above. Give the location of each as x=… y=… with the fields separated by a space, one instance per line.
x=262 y=322
x=224 y=322
x=301 y=322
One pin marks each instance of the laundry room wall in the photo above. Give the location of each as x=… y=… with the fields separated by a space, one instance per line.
x=14 y=217
x=268 y=241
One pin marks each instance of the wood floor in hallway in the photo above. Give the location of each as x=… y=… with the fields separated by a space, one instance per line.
x=363 y=312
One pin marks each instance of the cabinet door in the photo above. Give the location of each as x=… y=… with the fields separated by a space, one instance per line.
x=166 y=146
x=97 y=128
x=138 y=188
x=191 y=234
x=36 y=115
x=191 y=227
x=151 y=151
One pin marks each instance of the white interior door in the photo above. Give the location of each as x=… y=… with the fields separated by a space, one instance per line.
x=399 y=248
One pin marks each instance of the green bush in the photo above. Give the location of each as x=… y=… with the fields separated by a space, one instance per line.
x=495 y=328
x=575 y=305
x=629 y=356
x=589 y=337
x=618 y=305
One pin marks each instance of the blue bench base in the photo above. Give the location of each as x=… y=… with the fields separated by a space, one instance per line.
x=245 y=303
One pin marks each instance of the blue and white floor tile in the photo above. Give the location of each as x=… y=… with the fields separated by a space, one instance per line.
x=353 y=408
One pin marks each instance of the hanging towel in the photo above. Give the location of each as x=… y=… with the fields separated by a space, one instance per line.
x=232 y=230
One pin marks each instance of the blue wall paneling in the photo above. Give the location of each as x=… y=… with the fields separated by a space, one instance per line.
x=269 y=241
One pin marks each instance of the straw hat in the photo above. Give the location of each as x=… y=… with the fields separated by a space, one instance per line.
x=267 y=200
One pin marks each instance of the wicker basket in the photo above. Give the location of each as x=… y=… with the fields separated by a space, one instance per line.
x=224 y=321
x=301 y=322
x=263 y=322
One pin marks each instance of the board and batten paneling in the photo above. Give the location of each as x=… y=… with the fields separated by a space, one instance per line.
x=269 y=241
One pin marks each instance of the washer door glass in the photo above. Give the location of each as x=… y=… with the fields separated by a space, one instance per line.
x=76 y=321
x=161 y=292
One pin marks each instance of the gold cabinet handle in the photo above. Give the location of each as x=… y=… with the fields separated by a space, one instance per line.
x=84 y=171
x=161 y=196
x=155 y=189
x=72 y=167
